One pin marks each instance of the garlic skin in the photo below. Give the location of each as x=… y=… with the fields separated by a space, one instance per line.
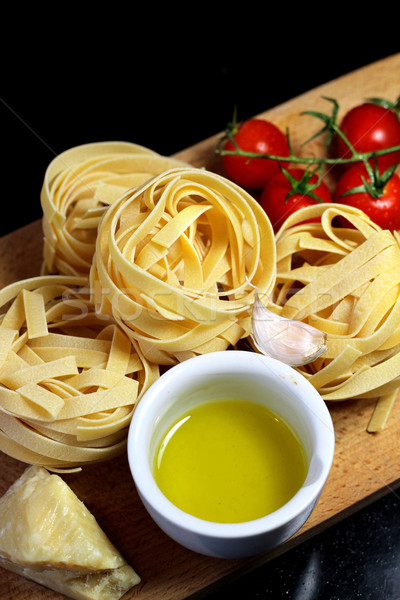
x=292 y=342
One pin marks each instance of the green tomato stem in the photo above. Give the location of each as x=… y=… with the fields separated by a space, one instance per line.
x=310 y=160
x=331 y=127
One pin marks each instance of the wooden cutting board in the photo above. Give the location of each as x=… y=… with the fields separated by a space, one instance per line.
x=365 y=465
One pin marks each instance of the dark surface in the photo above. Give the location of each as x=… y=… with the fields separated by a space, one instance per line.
x=167 y=81
x=357 y=559
x=153 y=81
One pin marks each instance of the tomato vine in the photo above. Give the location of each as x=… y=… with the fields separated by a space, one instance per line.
x=330 y=128
x=366 y=145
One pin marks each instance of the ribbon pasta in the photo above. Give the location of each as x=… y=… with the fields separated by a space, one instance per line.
x=344 y=281
x=147 y=262
x=78 y=186
x=69 y=378
x=177 y=260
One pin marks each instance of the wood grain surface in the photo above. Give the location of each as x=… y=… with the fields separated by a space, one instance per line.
x=365 y=465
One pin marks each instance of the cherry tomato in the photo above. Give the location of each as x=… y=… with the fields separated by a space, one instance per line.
x=261 y=137
x=278 y=205
x=370 y=127
x=384 y=210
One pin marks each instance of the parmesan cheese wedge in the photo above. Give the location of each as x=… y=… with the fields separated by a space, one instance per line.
x=49 y=536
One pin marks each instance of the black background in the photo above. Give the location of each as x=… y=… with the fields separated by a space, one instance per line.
x=165 y=80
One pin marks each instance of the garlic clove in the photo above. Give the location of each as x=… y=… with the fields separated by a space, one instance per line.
x=292 y=342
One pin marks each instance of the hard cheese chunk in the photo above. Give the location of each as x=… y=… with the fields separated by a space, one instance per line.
x=48 y=535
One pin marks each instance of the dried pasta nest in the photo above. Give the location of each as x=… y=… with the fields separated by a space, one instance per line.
x=69 y=379
x=177 y=261
x=79 y=185
x=344 y=281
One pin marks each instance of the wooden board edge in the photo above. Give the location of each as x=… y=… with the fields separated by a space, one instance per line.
x=203 y=148
x=297 y=540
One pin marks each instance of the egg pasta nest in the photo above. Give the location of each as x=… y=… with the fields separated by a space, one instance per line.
x=177 y=260
x=344 y=281
x=69 y=379
x=78 y=187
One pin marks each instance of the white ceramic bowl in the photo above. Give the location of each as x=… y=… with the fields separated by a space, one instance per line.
x=240 y=374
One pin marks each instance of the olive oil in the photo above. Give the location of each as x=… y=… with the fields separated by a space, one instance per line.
x=230 y=461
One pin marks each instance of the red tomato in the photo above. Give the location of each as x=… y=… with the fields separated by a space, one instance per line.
x=261 y=137
x=384 y=210
x=370 y=127
x=276 y=203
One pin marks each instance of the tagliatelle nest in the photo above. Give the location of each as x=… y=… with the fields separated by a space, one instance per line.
x=344 y=281
x=177 y=260
x=69 y=379
x=79 y=185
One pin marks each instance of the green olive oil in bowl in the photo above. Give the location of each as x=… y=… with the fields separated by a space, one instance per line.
x=230 y=461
